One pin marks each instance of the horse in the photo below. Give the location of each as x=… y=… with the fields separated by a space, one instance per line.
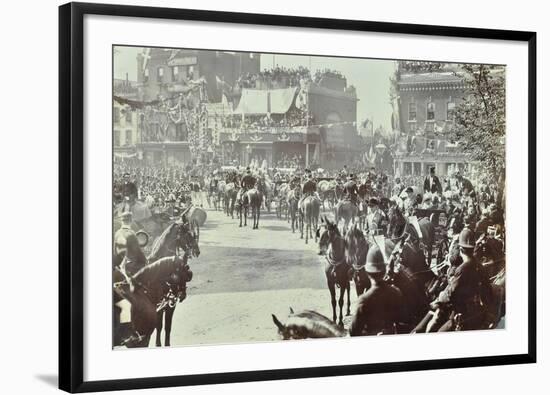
x=281 y=193
x=254 y=201
x=397 y=222
x=177 y=236
x=292 y=204
x=346 y=210
x=265 y=188
x=309 y=212
x=357 y=248
x=230 y=197
x=307 y=324
x=220 y=190
x=145 y=290
x=409 y=271
x=332 y=245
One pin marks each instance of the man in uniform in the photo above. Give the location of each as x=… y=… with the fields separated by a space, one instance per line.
x=381 y=307
x=350 y=189
x=309 y=188
x=121 y=235
x=468 y=292
x=248 y=181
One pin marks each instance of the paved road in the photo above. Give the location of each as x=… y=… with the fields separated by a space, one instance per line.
x=244 y=275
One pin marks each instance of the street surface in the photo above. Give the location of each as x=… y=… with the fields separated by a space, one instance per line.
x=243 y=276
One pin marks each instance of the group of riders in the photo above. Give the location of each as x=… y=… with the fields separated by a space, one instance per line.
x=464 y=288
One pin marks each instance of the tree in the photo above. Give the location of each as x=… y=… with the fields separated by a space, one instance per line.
x=480 y=122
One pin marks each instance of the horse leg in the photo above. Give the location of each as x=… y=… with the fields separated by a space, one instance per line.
x=332 y=289
x=240 y=217
x=169 y=314
x=301 y=225
x=341 y=303
x=348 y=311
x=307 y=229
x=159 y=328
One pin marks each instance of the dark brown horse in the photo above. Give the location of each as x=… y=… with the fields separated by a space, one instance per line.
x=337 y=269
x=347 y=211
x=422 y=233
x=254 y=201
x=307 y=324
x=357 y=248
x=176 y=239
x=145 y=291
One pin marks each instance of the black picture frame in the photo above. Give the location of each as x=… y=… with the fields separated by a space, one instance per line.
x=71 y=198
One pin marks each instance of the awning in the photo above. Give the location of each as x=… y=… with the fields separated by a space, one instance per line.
x=275 y=101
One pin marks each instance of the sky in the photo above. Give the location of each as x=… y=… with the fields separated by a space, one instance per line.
x=369 y=76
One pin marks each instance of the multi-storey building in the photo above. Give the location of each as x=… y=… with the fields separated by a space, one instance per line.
x=427 y=95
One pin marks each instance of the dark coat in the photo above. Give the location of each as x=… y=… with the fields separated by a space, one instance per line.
x=436 y=185
x=468 y=286
x=248 y=182
x=377 y=310
x=309 y=187
x=350 y=188
x=129 y=189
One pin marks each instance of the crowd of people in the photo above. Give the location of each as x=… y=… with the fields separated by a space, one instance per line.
x=283 y=77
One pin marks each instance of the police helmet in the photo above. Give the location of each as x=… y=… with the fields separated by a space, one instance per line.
x=375 y=261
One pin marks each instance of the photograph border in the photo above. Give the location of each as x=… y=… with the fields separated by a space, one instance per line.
x=71 y=195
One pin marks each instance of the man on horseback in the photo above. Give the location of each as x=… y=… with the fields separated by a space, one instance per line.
x=121 y=235
x=309 y=188
x=380 y=308
x=248 y=181
x=350 y=189
x=468 y=293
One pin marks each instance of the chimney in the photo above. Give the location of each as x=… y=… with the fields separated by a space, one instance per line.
x=139 y=67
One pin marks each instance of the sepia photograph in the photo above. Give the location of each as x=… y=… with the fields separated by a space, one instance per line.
x=262 y=197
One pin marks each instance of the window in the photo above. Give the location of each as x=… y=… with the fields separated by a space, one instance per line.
x=116 y=115
x=175 y=72
x=251 y=55
x=128 y=116
x=430 y=112
x=412 y=111
x=451 y=111
x=146 y=75
x=117 y=138
x=160 y=74
x=128 y=137
x=190 y=72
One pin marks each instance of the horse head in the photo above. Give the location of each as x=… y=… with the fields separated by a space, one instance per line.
x=326 y=233
x=356 y=248
x=187 y=237
x=396 y=221
x=306 y=324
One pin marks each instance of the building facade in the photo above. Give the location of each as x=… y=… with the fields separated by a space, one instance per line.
x=428 y=94
x=167 y=72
